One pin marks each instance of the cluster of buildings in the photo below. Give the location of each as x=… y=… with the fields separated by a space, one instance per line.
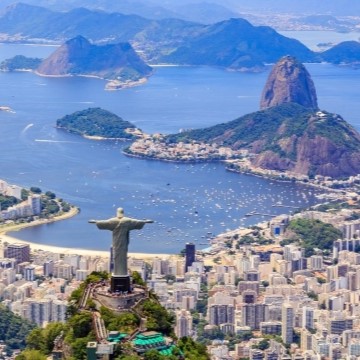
x=155 y=147
x=36 y=285
x=299 y=307
x=27 y=208
x=269 y=302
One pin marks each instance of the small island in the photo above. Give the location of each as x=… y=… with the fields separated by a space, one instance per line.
x=97 y=123
x=20 y=63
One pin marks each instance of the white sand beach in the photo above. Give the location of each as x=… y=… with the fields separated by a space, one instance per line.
x=58 y=249
x=63 y=250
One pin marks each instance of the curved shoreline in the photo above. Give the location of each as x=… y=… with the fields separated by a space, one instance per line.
x=4 y=229
x=36 y=247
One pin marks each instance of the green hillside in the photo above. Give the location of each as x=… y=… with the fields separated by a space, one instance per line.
x=96 y=122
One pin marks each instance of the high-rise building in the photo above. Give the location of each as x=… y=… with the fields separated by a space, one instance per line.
x=308 y=317
x=221 y=314
x=20 y=252
x=254 y=314
x=43 y=311
x=29 y=273
x=189 y=255
x=35 y=203
x=38 y=310
x=287 y=320
x=62 y=270
x=183 y=323
x=49 y=268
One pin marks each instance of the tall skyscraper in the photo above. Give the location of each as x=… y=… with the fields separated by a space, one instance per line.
x=189 y=255
x=287 y=319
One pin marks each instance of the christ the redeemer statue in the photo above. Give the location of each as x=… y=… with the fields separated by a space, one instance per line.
x=120 y=227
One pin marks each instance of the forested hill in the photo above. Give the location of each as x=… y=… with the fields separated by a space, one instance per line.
x=96 y=122
x=288 y=137
x=14 y=329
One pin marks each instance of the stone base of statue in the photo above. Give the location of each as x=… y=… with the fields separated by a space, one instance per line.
x=114 y=295
x=120 y=284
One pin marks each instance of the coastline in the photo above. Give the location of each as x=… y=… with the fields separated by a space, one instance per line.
x=36 y=247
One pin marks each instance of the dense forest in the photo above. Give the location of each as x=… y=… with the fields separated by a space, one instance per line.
x=96 y=122
x=14 y=329
x=312 y=234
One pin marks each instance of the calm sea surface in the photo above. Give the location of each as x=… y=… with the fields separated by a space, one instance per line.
x=187 y=202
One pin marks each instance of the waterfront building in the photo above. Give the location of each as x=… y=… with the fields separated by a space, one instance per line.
x=6 y=263
x=34 y=202
x=20 y=252
x=13 y=190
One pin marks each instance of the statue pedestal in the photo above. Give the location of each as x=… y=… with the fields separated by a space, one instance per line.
x=120 y=283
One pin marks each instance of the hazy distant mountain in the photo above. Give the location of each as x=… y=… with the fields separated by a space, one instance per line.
x=98 y=26
x=233 y=43
x=204 y=12
x=301 y=7
x=79 y=57
x=158 y=9
x=21 y=20
x=347 y=52
x=236 y=44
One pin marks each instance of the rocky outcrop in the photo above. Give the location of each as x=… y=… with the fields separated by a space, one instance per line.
x=289 y=81
x=288 y=137
x=79 y=57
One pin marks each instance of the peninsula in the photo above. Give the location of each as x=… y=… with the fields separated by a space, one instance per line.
x=289 y=137
x=22 y=208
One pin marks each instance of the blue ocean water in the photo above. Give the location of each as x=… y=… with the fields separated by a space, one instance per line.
x=188 y=202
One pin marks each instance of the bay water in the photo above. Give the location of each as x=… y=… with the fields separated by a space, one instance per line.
x=188 y=202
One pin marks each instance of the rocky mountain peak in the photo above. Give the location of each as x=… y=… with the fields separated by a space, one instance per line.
x=289 y=81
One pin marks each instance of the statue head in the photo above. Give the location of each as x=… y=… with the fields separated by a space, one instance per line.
x=120 y=213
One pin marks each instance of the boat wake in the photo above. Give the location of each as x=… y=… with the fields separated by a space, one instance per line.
x=55 y=141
